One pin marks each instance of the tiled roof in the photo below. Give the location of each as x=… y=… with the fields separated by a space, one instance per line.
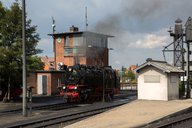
x=162 y=65
x=47 y=59
x=132 y=67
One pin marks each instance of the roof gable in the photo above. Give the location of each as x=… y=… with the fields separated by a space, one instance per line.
x=161 y=65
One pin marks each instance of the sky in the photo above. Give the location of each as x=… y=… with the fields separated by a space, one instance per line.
x=140 y=27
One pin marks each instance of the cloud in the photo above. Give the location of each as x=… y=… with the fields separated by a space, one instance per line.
x=117 y=62
x=46 y=45
x=149 y=41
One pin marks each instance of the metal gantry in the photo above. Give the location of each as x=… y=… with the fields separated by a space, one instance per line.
x=181 y=36
x=178 y=50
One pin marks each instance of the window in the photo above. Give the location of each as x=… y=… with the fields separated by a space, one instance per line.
x=151 y=78
x=68 y=51
x=97 y=41
x=76 y=48
x=66 y=42
x=78 y=41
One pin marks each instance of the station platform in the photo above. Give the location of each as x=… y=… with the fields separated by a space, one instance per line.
x=134 y=114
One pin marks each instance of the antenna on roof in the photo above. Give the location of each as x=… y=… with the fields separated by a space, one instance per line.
x=54 y=47
x=86 y=22
x=53 y=24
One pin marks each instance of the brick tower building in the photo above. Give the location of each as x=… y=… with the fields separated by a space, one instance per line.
x=80 y=47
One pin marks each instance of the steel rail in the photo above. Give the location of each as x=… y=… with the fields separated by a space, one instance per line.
x=56 y=105
x=178 y=121
x=41 y=107
x=65 y=117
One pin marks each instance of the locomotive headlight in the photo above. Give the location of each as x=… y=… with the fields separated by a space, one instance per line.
x=75 y=88
x=64 y=87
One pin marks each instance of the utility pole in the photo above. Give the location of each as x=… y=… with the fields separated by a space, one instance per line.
x=188 y=32
x=103 y=99
x=24 y=60
x=188 y=94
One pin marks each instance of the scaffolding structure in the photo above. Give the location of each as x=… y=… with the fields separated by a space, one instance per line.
x=180 y=37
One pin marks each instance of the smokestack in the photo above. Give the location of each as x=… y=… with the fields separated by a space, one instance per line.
x=73 y=29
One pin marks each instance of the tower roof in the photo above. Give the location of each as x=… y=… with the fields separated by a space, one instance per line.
x=88 y=33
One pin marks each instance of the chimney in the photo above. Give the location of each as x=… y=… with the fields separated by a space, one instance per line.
x=73 y=29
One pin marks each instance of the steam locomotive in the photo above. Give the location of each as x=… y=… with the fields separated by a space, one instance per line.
x=89 y=83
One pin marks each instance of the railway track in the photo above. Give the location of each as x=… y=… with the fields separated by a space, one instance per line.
x=57 y=106
x=64 y=117
x=179 y=120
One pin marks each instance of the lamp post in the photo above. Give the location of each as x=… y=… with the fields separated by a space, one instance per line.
x=24 y=60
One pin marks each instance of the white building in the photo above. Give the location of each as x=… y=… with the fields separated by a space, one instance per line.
x=158 y=80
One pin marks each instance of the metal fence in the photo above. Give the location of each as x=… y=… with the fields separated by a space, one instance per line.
x=128 y=86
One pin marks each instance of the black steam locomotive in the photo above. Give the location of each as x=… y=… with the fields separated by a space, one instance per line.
x=89 y=83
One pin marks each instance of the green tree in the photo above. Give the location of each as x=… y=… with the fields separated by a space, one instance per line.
x=131 y=75
x=11 y=46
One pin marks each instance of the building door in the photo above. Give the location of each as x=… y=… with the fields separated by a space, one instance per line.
x=42 y=85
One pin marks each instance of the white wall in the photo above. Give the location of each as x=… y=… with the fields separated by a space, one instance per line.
x=152 y=91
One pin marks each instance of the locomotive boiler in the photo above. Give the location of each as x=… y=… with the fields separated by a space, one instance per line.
x=89 y=83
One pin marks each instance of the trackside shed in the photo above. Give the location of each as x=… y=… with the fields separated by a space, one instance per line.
x=158 y=80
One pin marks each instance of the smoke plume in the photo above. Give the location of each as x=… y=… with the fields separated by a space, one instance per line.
x=133 y=27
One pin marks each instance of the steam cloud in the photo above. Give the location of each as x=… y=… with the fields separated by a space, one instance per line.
x=134 y=15
x=138 y=25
